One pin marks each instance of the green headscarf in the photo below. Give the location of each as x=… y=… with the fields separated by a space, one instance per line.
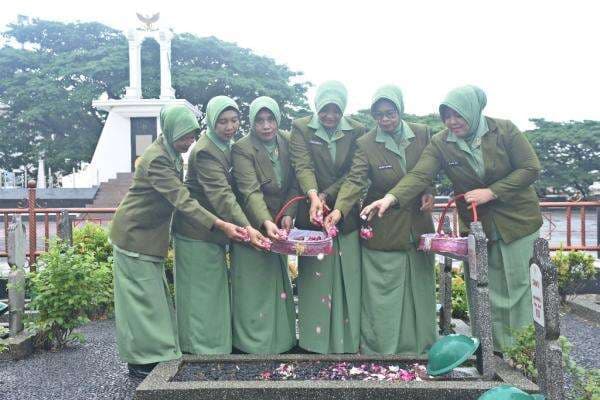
x=264 y=102
x=401 y=137
x=468 y=101
x=214 y=108
x=391 y=93
x=331 y=92
x=271 y=146
x=175 y=122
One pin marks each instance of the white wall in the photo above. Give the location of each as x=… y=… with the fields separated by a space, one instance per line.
x=113 y=152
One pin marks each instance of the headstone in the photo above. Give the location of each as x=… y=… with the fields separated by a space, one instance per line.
x=65 y=227
x=546 y=306
x=446 y=288
x=16 y=248
x=480 y=314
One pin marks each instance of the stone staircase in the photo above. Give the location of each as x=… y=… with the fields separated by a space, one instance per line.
x=110 y=194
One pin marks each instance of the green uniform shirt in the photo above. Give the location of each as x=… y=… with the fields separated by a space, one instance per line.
x=210 y=182
x=260 y=191
x=142 y=221
x=317 y=170
x=377 y=161
x=511 y=166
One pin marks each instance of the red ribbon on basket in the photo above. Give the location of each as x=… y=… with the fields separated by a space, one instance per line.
x=445 y=210
x=441 y=243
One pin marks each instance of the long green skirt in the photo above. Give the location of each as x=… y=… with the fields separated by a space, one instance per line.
x=329 y=298
x=398 y=314
x=262 y=302
x=202 y=297
x=144 y=316
x=510 y=287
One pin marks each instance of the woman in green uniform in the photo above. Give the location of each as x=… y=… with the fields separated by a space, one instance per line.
x=398 y=283
x=494 y=165
x=264 y=319
x=322 y=147
x=201 y=282
x=146 y=328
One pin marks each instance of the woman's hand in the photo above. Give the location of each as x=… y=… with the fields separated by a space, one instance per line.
x=287 y=223
x=378 y=206
x=479 y=196
x=427 y=203
x=232 y=231
x=272 y=230
x=257 y=240
x=316 y=209
x=332 y=219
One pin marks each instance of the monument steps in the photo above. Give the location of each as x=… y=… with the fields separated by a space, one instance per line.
x=111 y=193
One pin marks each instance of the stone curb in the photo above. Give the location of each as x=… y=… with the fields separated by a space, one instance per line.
x=158 y=384
x=19 y=347
x=586 y=306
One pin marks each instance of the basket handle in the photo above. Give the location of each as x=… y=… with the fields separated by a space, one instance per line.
x=287 y=205
x=445 y=210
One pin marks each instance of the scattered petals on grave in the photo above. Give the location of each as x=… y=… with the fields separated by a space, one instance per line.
x=348 y=371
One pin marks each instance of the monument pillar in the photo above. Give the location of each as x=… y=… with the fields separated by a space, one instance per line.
x=134 y=90
x=166 y=88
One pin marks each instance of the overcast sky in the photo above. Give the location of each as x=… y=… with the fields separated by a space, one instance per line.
x=533 y=58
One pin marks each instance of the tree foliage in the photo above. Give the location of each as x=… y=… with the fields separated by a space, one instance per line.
x=51 y=71
x=569 y=153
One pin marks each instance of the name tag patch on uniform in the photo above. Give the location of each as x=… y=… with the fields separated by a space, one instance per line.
x=453 y=163
x=315 y=142
x=384 y=167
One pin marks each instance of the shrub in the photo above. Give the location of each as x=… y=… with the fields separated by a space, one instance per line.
x=522 y=352
x=92 y=239
x=574 y=267
x=67 y=287
x=460 y=307
x=586 y=382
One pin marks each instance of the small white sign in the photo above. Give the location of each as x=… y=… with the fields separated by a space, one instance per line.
x=537 y=294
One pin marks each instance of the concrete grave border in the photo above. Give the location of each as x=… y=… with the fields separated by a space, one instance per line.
x=158 y=384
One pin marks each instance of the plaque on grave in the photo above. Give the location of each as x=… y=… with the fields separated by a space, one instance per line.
x=537 y=294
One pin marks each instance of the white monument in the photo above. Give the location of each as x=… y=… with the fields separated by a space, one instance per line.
x=132 y=124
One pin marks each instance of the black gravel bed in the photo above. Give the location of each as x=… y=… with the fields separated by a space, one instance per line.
x=266 y=370
x=91 y=370
x=251 y=371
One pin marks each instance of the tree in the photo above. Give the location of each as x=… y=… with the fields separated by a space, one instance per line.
x=51 y=71
x=569 y=153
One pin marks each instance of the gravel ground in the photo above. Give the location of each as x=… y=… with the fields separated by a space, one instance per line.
x=585 y=338
x=88 y=371
x=93 y=371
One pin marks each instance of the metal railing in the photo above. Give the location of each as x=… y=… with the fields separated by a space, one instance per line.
x=582 y=208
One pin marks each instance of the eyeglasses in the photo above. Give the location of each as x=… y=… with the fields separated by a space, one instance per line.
x=388 y=114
